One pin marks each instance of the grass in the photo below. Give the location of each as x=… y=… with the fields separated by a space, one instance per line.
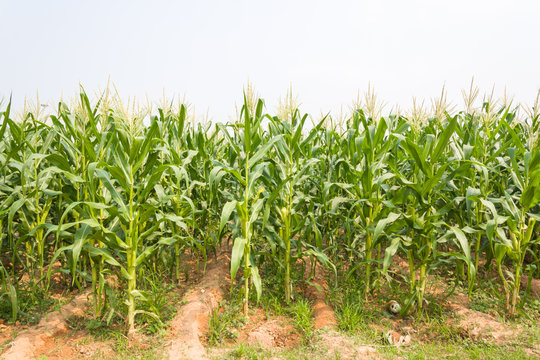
x=302 y=317
x=248 y=352
x=33 y=303
x=455 y=351
x=224 y=323
x=424 y=351
x=438 y=336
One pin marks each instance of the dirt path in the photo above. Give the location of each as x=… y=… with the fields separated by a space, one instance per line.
x=324 y=320
x=31 y=343
x=192 y=319
x=323 y=314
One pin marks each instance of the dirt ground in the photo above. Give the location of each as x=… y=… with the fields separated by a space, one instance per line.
x=186 y=338
x=191 y=323
x=41 y=339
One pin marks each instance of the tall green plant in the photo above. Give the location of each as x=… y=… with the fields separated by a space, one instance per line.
x=287 y=200
x=423 y=179
x=247 y=166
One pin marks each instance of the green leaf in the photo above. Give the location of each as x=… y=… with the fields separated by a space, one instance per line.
x=107 y=256
x=236 y=255
x=144 y=255
x=226 y=214
x=390 y=252
x=262 y=151
x=444 y=139
x=104 y=176
x=256 y=278
x=462 y=241
x=381 y=225
x=412 y=149
x=255 y=210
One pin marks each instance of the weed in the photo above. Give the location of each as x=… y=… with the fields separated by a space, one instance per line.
x=248 y=352
x=224 y=321
x=302 y=315
x=350 y=316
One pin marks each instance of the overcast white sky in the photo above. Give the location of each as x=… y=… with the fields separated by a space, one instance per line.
x=327 y=50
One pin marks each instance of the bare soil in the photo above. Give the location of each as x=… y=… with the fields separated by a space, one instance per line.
x=9 y=332
x=191 y=323
x=187 y=336
x=323 y=314
x=337 y=345
x=479 y=325
x=268 y=332
x=272 y=333
x=39 y=339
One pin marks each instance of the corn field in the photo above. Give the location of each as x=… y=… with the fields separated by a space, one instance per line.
x=103 y=195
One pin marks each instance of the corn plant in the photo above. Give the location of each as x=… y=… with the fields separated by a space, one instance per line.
x=121 y=225
x=423 y=178
x=94 y=193
x=247 y=166
x=368 y=146
x=520 y=222
x=6 y=282
x=287 y=200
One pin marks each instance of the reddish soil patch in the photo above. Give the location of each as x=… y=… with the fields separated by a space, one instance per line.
x=479 y=325
x=323 y=314
x=8 y=333
x=324 y=319
x=274 y=333
x=269 y=333
x=192 y=320
x=38 y=340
